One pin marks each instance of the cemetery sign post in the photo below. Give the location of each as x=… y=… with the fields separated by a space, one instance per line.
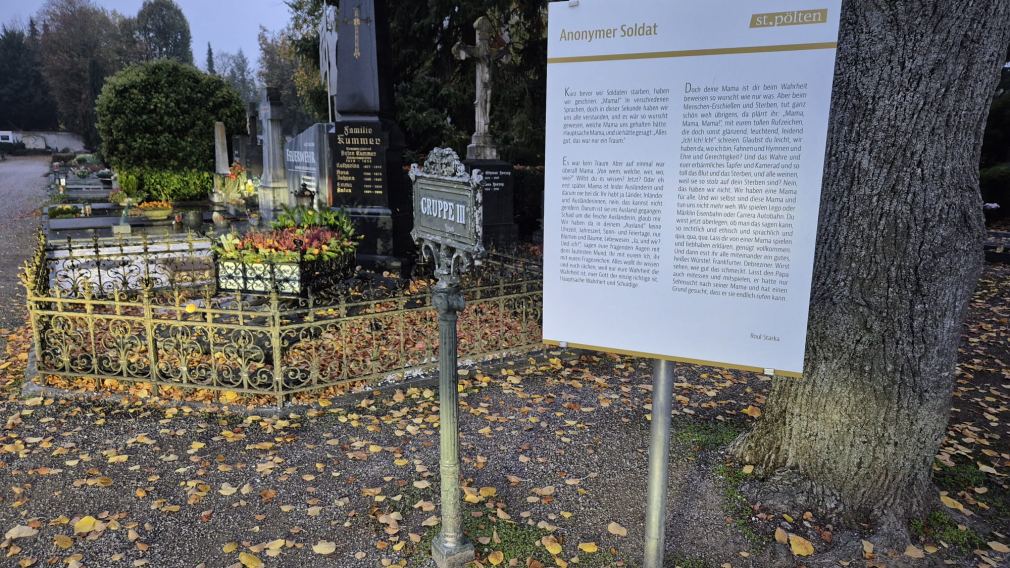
x=685 y=159
x=447 y=227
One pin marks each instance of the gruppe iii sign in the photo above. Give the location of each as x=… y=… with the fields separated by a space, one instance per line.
x=448 y=203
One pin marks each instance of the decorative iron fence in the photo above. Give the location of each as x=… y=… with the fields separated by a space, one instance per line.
x=176 y=332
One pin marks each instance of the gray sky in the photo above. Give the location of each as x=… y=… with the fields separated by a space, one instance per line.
x=227 y=24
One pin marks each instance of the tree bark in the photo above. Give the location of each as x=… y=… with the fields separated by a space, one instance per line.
x=899 y=250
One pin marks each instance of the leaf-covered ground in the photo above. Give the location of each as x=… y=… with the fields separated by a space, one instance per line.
x=554 y=448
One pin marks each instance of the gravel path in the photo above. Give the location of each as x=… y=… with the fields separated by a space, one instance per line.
x=22 y=192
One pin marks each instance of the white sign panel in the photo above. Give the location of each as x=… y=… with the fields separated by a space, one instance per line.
x=685 y=155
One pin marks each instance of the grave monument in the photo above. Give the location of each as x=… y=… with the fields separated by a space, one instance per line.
x=273 y=189
x=500 y=228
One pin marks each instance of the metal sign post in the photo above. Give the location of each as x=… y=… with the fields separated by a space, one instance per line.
x=448 y=227
x=659 y=458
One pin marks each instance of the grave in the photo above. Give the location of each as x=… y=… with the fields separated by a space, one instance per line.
x=500 y=229
x=273 y=189
x=355 y=163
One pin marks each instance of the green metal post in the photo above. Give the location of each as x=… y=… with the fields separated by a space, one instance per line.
x=659 y=457
x=450 y=549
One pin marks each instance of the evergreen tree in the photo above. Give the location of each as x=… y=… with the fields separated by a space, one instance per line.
x=210 y=60
x=163 y=31
x=25 y=102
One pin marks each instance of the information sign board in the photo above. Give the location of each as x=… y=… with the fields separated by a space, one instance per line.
x=685 y=155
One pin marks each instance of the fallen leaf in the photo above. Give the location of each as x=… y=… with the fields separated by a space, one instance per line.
x=249 y=561
x=324 y=547
x=551 y=544
x=496 y=558
x=588 y=547
x=998 y=547
x=85 y=525
x=616 y=529
x=914 y=552
x=800 y=546
x=20 y=531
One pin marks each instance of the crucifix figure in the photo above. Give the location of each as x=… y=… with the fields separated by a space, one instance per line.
x=482 y=147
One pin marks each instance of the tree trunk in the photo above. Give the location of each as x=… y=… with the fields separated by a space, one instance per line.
x=899 y=251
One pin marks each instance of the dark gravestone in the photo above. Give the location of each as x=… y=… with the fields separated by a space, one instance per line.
x=366 y=144
x=306 y=162
x=500 y=229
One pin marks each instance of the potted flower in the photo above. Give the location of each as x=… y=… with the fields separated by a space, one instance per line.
x=156 y=210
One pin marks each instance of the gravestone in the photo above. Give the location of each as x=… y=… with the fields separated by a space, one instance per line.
x=500 y=229
x=366 y=144
x=273 y=189
x=221 y=161
x=306 y=162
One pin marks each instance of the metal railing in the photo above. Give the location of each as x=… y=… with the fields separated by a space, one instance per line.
x=156 y=328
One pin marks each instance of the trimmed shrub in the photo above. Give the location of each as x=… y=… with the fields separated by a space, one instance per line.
x=161 y=115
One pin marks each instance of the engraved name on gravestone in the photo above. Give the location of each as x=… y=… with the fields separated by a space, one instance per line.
x=359 y=152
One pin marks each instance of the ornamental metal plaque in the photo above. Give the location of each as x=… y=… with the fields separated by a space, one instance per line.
x=448 y=203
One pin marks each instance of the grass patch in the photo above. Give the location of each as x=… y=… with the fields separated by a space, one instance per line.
x=707 y=436
x=736 y=506
x=938 y=526
x=516 y=541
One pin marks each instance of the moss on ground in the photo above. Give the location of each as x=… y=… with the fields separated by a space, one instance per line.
x=706 y=436
x=939 y=527
x=736 y=505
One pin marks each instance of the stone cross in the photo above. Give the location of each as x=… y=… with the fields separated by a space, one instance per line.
x=482 y=146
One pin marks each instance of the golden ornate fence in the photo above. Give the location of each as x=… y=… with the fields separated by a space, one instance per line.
x=183 y=333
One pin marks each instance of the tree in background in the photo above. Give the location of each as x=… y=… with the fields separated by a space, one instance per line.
x=899 y=251
x=210 y=60
x=235 y=70
x=278 y=65
x=79 y=47
x=163 y=31
x=25 y=102
x=161 y=115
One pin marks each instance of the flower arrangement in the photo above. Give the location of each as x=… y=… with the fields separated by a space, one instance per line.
x=285 y=245
x=239 y=186
x=154 y=205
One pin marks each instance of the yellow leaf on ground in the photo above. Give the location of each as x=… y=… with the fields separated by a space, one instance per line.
x=85 y=525
x=249 y=561
x=748 y=469
x=616 y=529
x=999 y=547
x=488 y=491
x=229 y=548
x=800 y=546
x=752 y=411
x=914 y=552
x=781 y=537
x=324 y=547
x=952 y=503
x=551 y=544
x=867 y=550
x=496 y=558
x=63 y=541
x=588 y=547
